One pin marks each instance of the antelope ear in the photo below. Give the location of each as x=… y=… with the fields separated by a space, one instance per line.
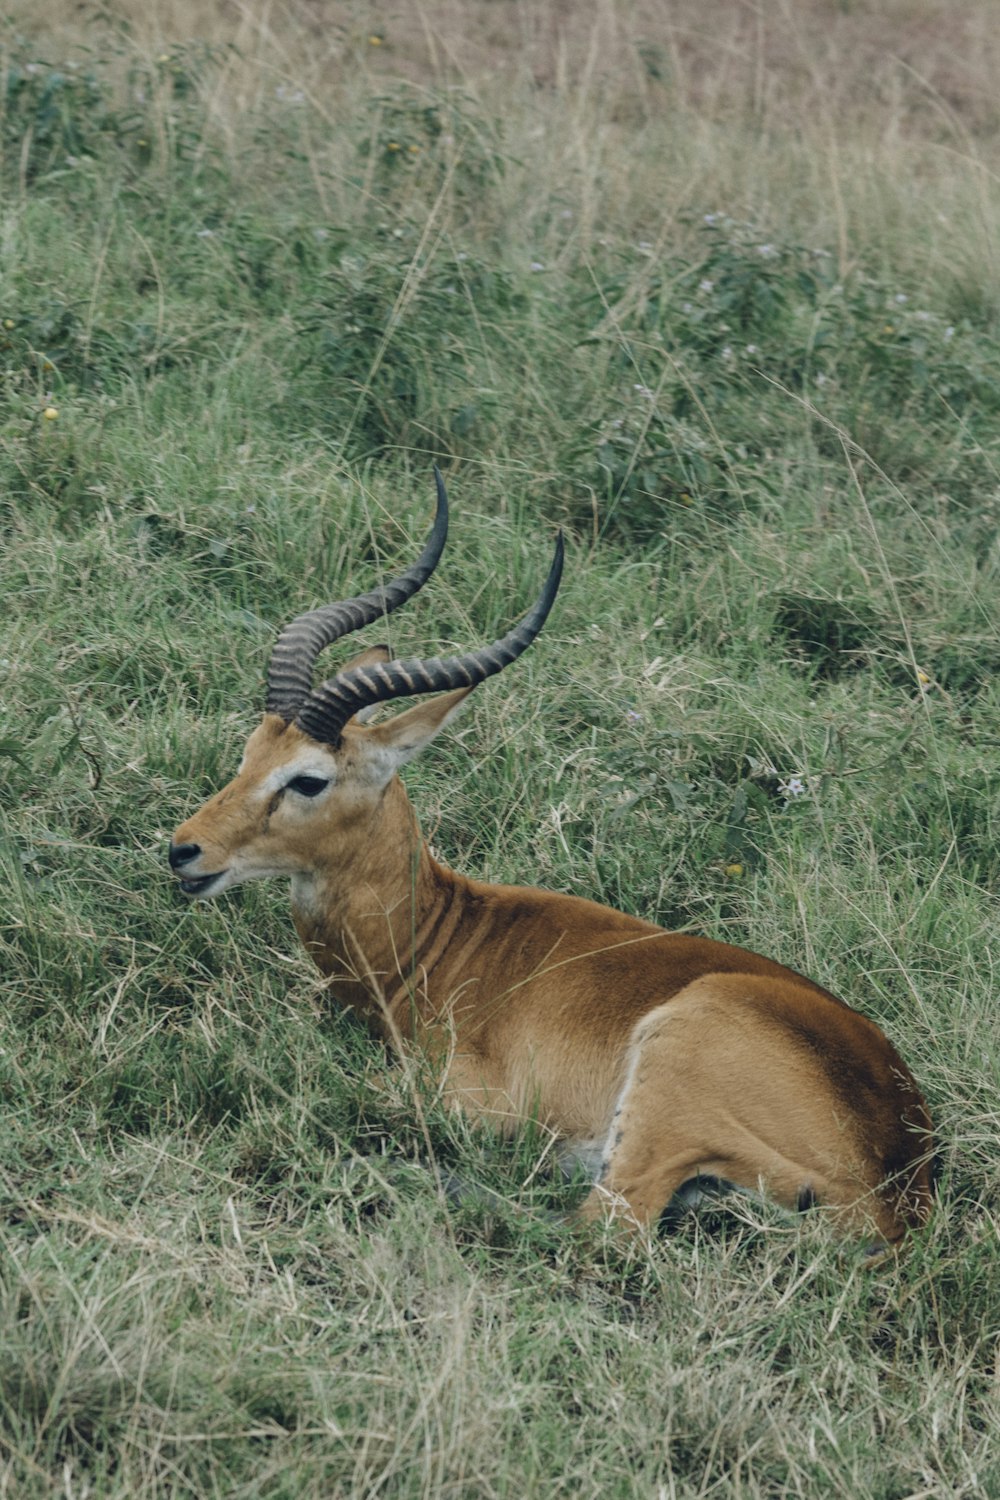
x=392 y=744
x=369 y=657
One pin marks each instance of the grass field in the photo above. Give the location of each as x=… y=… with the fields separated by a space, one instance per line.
x=717 y=289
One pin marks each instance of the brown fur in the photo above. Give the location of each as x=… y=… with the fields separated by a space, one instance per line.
x=670 y=1055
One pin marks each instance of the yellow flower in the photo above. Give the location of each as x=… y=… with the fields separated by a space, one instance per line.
x=393 y=146
x=374 y=41
x=734 y=870
x=888 y=328
x=413 y=149
x=922 y=677
x=50 y=413
x=8 y=322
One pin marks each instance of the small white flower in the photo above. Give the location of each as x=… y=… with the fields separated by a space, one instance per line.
x=949 y=332
x=711 y=218
x=644 y=391
x=632 y=717
x=793 y=787
x=206 y=234
x=821 y=378
x=706 y=285
x=727 y=353
x=901 y=297
x=687 y=307
x=752 y=349
x=767 y=251
x=536 y=265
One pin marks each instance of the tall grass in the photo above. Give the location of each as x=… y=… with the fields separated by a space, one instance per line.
x=715 y=288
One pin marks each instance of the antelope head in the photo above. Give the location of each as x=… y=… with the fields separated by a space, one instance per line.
x=314 y=775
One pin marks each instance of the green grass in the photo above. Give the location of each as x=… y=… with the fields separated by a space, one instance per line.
x=228 y=1265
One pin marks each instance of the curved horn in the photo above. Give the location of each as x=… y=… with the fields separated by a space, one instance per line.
x=289 y=676
x=328 y=707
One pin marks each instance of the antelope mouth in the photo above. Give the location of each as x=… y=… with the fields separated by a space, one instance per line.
x=198 y=885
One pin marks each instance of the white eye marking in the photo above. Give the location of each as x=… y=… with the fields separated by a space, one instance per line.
x=307 y=768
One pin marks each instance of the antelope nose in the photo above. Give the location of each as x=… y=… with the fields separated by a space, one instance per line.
x=182 y=854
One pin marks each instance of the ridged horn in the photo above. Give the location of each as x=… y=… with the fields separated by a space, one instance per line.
x=290 y=673
x=328 y=707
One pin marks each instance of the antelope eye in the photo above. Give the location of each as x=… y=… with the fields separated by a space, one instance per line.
x=307 y=786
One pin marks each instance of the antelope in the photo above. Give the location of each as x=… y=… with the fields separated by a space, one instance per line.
x=655 y=1059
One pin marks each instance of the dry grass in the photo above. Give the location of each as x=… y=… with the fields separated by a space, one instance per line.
x=831 y=120
x=722 y=57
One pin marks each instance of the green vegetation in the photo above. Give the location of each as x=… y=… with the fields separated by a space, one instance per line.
x=249 y=292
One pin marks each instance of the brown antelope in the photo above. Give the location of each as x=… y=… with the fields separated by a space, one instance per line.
x=655 y=1058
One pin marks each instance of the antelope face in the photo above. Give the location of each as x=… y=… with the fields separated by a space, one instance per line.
x=296 y=806
x=264 y=821
x=313 y=775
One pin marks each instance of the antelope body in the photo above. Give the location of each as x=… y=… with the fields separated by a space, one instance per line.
x=656 y=1058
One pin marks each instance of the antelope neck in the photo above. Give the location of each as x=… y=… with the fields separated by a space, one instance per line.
x=364 y=930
